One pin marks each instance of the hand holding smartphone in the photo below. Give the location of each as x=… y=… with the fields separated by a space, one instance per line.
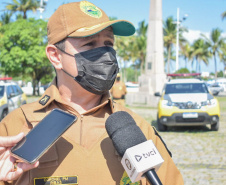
x=43 y=136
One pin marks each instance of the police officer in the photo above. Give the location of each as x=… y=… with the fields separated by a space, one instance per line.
x=80 y=47
x=118 y=91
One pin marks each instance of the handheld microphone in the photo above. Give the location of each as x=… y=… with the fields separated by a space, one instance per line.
x=139 y=157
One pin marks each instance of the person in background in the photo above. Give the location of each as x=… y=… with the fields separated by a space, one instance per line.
x=80 y=48
x=118 y=91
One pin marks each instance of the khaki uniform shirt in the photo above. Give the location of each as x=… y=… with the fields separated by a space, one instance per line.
x=84 y=154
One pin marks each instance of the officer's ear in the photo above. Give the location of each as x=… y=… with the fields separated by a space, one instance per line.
x=54 y=56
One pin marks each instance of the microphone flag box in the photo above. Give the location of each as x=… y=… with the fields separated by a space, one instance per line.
x=140 y=158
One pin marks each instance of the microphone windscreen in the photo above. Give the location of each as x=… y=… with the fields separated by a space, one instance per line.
x=123 y=131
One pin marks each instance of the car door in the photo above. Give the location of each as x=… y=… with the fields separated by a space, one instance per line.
x=10 y=98
x=17 y=96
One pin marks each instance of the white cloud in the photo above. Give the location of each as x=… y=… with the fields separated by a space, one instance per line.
x=224 y=34
x=193 y=35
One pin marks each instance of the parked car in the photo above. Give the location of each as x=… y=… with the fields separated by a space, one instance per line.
x=215 y=88
x=11 y=97
x=29 y=90
x=45 y=86
x=187 y=102
x=222 y=82
x=132 y=87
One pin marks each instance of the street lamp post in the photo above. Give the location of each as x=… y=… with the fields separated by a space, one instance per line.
x=177 y=40
x=41 y=8
x=177 y=37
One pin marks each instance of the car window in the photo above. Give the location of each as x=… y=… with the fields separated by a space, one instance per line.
x=186 y=88
x=2 y=89
x=19 y=89
x=15 y=90
x=215 y=85
x=9 y=90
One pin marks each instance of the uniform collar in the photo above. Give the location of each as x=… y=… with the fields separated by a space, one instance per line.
x=52 y=94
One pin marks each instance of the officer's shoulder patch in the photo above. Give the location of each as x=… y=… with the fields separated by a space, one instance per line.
x=157 y=134
x=44 y=100
x=61 y=180
x=125 y=180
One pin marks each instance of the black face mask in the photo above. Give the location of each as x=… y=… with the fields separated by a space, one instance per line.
x=97 y=69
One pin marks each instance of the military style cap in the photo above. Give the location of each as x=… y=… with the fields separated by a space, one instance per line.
x=82 y=19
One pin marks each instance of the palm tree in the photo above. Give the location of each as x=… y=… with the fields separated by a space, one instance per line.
x=133 y=48
x=169 y=37
x=22 y=6
x=5 y=18
x=214 y=44
x=172 y=58
x=222 y=56
x=186 y=51
x=200 y=53
x=139 y=44
x=170 y=34
x=122 y=46
x=223 y=15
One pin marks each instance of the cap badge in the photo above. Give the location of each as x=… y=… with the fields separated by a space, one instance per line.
x=90 y=9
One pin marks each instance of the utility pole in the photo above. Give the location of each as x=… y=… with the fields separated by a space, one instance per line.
x=177 y=41
x=41 y=8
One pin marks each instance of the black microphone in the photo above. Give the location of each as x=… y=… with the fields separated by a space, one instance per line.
x=139 y=157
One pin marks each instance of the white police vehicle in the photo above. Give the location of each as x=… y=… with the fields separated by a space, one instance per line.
x=187 y=102
x=11 y=97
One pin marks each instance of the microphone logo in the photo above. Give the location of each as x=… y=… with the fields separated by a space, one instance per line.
x=128 y=164
x=138 y=158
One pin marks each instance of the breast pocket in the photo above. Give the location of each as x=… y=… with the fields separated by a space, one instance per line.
x=49 y=159
x=48 y=164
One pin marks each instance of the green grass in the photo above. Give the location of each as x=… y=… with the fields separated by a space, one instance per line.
x=31 y=99
x=222 y=101
x=139 y=106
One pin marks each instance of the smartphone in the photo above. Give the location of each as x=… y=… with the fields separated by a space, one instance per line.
x=43 y=136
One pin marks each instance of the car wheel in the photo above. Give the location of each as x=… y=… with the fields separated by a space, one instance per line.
x=4 y=114
x=215 y=126
x=160 y=126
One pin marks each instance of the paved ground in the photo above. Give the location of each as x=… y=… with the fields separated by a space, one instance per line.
x=199 y=154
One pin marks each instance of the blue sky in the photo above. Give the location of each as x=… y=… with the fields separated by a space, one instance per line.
x=203 y=15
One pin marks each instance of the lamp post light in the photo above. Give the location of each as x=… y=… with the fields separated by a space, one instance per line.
x=41 y=8
x=177 y=37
